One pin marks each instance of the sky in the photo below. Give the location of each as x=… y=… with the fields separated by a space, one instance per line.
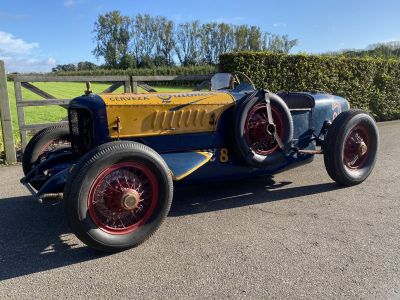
x=37 y=35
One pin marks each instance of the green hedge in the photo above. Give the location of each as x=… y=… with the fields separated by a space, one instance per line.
x=157 y=71
x=191 y=70
x=368 y=83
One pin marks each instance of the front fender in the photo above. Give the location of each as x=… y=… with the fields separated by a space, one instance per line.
x=182 y=164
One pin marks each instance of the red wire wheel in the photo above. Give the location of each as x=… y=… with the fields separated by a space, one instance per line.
x=351 y=147
x=356 y=147
x=123 y=197
x=256 y=133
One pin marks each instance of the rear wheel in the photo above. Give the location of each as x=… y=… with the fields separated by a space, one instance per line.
x=118 y=195
x=351 y=147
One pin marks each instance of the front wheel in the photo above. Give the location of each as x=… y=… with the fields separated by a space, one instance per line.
x=42 y=143
x=350 y=147
x=118 y=195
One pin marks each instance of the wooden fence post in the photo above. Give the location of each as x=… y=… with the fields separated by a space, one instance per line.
x=134 y=87
x=20 y=113
x=127 y=86
x=5 y=115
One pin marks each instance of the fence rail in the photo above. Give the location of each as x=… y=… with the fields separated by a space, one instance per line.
x=25 y=81
x=130 y=84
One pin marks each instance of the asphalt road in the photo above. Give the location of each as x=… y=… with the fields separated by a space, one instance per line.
x=295 y=236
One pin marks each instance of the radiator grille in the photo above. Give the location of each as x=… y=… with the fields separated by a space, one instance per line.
x=81 y=130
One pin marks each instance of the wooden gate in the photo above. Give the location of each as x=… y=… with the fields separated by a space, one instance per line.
x=25 y=81
x=130 y=83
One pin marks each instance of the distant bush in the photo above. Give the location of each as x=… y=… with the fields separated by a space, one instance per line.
x=368 y=83
x=388 y=50
x=190 y=70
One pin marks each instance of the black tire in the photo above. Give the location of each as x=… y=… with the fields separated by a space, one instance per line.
x=36 y=145
x=84 y=178
x=344 y=140
x=39 y=144
x=244 y=150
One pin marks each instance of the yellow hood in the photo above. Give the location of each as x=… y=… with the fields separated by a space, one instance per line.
x=135 y=115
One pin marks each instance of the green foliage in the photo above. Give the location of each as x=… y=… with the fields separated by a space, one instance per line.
x=82 y=65
x=188 y=47
x=86 y=65
x=156 y=41
x=112 y=34
x=190 y=70
x=380 y=50
x=368 y=83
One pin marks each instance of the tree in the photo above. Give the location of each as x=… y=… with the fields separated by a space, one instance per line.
x=255 y=39
x=188 y=43
x=209 y=47
x=216 y=38
x=64 y=68
x=226 y=38
x=127 y=62
x=112 y=37
x=145 y=36
x=241 y=34
x=288 y=44
x=277 y=43
x=165 y=41
x=86 y=66
x=136 y=42
x=147 y=41
x=146 y=62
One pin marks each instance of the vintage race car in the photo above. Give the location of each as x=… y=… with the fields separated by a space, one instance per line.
x=117 y=160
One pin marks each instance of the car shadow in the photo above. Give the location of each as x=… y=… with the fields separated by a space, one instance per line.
x=219 y=196
x=36 y=238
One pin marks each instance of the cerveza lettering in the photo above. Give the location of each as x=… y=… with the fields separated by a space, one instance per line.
x=163 y=97
x=129 y=98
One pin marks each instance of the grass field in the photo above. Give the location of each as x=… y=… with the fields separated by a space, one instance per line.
x=54 y=113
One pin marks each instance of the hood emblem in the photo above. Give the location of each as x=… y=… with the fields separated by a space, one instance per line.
x=165 y=98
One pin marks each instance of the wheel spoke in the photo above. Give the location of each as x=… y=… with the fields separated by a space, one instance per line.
x=256 y=130
x=106 y=201
x=356 y=142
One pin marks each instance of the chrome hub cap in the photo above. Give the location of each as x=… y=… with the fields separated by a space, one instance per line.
x=130 y=199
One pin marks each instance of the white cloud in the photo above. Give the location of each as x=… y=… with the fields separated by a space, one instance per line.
x=279 y=25
x=69 y=3
x=22 y=56
x=23 y=65
x=10 y=44
x=51 y=61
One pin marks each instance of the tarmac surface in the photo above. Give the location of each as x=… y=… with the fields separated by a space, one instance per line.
x=294 y=236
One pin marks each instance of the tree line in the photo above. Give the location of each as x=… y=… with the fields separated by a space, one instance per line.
x=145 y=41
x=378 y=50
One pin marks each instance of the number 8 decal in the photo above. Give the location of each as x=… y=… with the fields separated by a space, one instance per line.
x=223 y=155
